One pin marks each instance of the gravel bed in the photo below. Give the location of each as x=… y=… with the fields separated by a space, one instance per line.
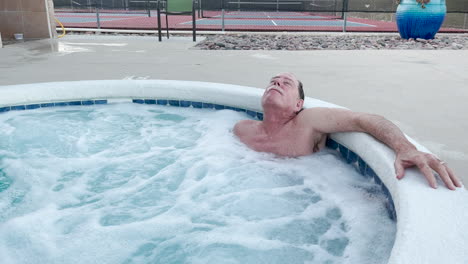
x=330 y=42
x=347 y=41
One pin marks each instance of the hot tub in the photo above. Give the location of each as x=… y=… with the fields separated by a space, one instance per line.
x=430 y=223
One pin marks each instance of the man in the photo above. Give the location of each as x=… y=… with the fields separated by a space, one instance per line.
x=289 y=130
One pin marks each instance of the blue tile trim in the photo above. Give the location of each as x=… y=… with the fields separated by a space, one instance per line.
x=343 y=151
x=174 y=102
x=352 y=157
x=74 y=103
x=207 y=105
x=362 y=166
x=239 y=110
x=100 y=101
x=260 y=116
x=219 y=107
x=44 y=105
x=197 y=104
x=33 y=106
x=18 y=107
x=185 y=103
x=251 y=113
x=377 y=180
x=4 y=109
x=390 y=205
x=370 y=173
x=161 y=102
x=366 y=171
x=332 y=144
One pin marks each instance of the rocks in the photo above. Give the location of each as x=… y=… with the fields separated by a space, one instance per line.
x=330 y=42
x=457 y=46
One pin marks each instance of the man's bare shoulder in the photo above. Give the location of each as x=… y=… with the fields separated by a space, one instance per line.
x=245 y=127
x=317 y=111
x=330 y=119
x=309 y=116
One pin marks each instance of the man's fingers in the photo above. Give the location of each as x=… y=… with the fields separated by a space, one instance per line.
x=442 y=171
x=444 y=175
x=399 y=169
x=454 y=178
x=427 y=171
x=427 y=164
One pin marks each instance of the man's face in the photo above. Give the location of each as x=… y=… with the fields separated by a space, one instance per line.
x=282 y=92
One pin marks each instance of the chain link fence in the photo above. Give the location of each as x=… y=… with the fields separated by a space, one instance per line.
x=250 y=15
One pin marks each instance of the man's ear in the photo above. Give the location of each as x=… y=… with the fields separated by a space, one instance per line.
x=299 y=104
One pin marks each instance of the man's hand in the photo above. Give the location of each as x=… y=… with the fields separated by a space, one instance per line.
x=427 y=163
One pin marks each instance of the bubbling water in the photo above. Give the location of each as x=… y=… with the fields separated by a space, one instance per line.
x=127 y=183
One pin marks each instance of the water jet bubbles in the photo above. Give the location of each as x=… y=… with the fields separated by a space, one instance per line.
x=335 y=246
x=233 y=253
x=5 y=181
x=301 y=232
x=334 y=213
x=130 y=183
x=170 y=117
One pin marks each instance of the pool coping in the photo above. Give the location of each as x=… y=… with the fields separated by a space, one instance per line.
x=430 y=222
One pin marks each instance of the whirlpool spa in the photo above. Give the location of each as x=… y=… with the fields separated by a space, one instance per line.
x=149 y=171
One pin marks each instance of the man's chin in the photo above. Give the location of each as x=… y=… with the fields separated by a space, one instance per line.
x=269 y=103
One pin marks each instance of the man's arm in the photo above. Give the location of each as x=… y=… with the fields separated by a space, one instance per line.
x=330 y=120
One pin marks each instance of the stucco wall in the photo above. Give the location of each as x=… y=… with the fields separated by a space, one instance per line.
x=30 y=17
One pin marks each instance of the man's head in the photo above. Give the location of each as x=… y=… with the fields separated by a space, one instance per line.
x=284 y=92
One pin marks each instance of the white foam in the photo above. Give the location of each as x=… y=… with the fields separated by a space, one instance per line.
x=145 y=184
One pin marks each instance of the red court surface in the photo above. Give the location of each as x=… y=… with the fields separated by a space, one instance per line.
x=233 y=21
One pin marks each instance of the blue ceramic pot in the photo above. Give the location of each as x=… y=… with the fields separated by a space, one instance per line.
x=413 y=21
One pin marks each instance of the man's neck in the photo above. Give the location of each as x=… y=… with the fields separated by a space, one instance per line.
x=274 y=121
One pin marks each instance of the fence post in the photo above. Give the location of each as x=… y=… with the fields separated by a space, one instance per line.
x=345 y=17
x=345 y=14
x=97 y=16
x=222 y=20
x=465 y=25
x=222 y=16
x=159 y=19
x=194 y=26
x=199 y=8
x=148 y=8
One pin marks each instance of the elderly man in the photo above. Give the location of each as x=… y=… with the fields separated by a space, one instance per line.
x=289 y=130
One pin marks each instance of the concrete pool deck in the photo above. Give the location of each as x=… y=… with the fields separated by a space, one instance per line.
x=424 y=92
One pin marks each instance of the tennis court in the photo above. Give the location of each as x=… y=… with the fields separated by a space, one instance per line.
x=231 y=21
